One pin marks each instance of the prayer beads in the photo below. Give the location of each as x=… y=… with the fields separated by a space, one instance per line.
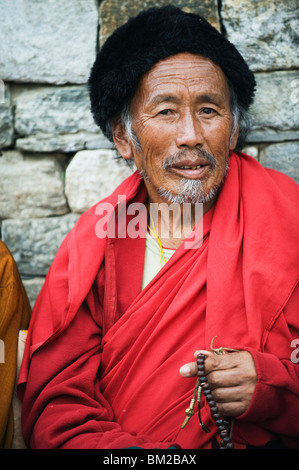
x=223 y=424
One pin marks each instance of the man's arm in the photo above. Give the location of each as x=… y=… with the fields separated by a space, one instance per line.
x=260 y=387
x=63 y=406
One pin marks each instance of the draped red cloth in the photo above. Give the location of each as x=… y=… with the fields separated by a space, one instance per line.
x=102 y=359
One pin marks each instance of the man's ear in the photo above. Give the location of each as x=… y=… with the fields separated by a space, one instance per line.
x=121 y=140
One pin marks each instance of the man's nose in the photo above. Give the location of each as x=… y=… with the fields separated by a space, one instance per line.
x=189 y=131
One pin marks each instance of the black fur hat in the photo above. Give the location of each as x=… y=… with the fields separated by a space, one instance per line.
x=151 y=36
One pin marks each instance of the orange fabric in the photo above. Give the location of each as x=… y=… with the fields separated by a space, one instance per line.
x=14 y=315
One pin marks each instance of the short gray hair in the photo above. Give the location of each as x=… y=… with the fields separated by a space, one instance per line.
x=241 y=118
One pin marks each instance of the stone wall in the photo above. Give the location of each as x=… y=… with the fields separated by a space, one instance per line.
x=54 y=161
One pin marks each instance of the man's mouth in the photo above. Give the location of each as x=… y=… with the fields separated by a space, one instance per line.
x=190 y=165
x=190 y=169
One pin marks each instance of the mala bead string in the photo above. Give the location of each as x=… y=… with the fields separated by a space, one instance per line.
x=203 y=426
x=224 y=424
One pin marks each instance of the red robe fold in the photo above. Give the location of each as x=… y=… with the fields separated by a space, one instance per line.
x=101 y=366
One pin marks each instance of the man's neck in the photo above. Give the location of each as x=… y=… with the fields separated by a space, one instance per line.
x=172 y=223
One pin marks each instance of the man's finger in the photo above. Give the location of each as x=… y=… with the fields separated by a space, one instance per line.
x=216 y=362
x=228 y=394
x=189 y=370
x=203 y=351
x=224 y=378
x=213 y=362
x=232 y=409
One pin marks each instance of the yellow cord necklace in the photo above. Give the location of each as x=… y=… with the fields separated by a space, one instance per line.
x=153 y=231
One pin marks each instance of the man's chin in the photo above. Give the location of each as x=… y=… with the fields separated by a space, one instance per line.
x=189 y=192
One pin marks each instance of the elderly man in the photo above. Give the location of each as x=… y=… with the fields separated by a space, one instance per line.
x=138 y=330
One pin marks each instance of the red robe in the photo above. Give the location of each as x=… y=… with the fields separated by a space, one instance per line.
x=102 y=359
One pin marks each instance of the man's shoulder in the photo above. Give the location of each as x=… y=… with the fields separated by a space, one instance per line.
x=126 y=191
x=278 y=176
x=255 y=169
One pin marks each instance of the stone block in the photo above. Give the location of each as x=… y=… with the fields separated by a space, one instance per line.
x=6 y=116
x=33 y=287
x=283 y=157
x=275 y=110
x=264 y=31
x=34 y=242
x=30 y=187
x=53 y=110
x=47 y=41
x=252 y=151
x=63 y=142
x=114 y=13
x=91 y=176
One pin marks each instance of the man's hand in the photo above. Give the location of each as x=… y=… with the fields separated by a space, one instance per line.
x=232 y=379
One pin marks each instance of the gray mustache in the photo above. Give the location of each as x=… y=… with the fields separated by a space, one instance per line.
x=183 y=154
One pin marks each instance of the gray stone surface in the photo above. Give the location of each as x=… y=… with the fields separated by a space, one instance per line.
x=264 y=31
x=275 y=110
x=53 y=110
x=33 y=287
x=252 y=151
x=52 y=41
x=114 y=13
x=30 y=187
x=63 y=142
x=91 y=176
x=34 y=242
x=283 y=157
x=6 y=116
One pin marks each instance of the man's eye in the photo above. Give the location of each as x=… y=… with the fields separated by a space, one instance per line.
x=208 y=110
x=165 y=112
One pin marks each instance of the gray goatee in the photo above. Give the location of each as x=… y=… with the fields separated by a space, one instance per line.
x=190 y=191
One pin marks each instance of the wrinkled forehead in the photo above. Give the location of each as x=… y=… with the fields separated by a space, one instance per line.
x=180 y=75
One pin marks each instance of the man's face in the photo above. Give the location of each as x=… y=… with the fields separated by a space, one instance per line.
x=181 y=116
